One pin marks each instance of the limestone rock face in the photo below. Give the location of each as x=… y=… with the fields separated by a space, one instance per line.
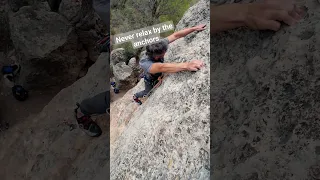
x=167 y=137
x=265 y=101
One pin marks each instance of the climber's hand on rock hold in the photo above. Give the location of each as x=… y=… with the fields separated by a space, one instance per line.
x=195 y=65
x=200 y=27
x=268 y=14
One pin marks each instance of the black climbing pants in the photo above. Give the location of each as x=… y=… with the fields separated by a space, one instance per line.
x=148 y=87
x=97 y=104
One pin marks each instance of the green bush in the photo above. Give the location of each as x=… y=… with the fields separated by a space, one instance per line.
x=129 y=15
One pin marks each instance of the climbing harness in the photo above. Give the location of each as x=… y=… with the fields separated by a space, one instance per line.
x=156 y=84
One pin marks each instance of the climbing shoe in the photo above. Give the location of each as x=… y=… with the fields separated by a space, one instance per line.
x=115 y=89
x=88 y=125
x=19 y=93
x=13 y=69
x=137 y=100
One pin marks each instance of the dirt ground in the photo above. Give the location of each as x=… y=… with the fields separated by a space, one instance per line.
x=14 y=111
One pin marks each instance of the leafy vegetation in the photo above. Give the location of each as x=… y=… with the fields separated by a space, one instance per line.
x=129 y=15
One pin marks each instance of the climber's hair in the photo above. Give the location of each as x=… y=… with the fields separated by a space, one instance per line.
x=156 y=48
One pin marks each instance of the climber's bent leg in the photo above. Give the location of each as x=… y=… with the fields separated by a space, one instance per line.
x=96 y=105
x=99 y=104
x=147 y=89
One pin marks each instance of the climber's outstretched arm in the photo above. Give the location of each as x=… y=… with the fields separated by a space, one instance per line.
x=184 y=32
x=265 y=15
x=193 y=65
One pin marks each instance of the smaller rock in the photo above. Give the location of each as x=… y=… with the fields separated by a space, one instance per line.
x=133 y=63
x=117 y=56
x=124 y=76
x=143 y=53
x=135 y=67
x=15 y=5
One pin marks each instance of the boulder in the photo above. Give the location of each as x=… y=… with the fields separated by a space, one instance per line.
x=117 y=56
x=135 y=67
x=70 y=9
x=124 y=76
x=15 y=5
x=49 y=51
x=133 y=63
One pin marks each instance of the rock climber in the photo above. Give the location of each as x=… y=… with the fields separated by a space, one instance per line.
x=153 y=63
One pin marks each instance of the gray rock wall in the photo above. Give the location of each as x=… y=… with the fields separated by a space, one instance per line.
x=43 y=147
x=168 y=136
x=265 y=102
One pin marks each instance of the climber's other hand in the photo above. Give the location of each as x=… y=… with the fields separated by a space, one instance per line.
x=269 y=13
x=195 y=65
x=200 y=27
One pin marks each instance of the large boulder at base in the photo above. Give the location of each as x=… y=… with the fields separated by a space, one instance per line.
x=265 y=101
x=49 y=51
x=167 y=137
x=124 y=76
x=44 y=146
